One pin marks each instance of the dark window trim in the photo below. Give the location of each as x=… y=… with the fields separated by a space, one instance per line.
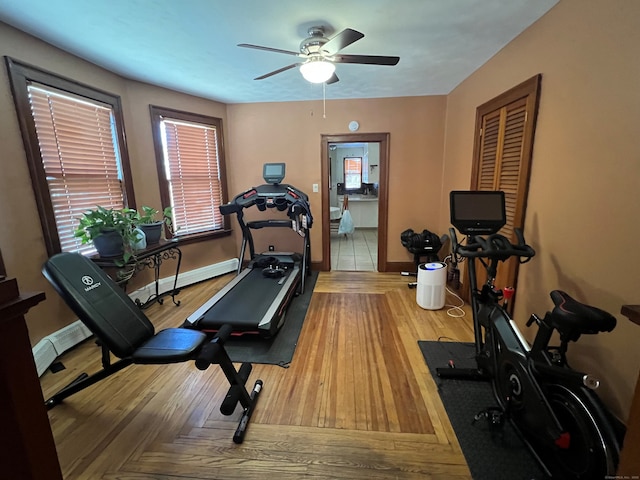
x=19 y=75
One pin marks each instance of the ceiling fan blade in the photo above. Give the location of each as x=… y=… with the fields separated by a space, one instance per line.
x=334 y=78
x=280 y=70
x=269 y=49
x=345 y=38
x=366 y=59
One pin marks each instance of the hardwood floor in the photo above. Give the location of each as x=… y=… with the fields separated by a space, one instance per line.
x=357 y=402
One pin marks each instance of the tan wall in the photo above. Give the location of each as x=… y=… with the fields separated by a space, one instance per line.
x=291 y=132
x=21 y=238
x=584 y=199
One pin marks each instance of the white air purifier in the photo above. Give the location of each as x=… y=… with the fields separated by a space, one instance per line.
x=431 y=285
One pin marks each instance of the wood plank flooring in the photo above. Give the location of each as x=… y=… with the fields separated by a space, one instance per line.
x=357 y=402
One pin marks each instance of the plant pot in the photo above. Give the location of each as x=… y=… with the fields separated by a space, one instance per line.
x=109 y=244
x=152 y=231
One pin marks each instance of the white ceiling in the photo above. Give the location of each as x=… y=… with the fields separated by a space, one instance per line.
x=190 y=45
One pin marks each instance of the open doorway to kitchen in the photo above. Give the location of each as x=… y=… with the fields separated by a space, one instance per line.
x=355 y=166
x=353 y=192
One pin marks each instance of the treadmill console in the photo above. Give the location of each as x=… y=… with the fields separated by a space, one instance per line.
x=273 y=172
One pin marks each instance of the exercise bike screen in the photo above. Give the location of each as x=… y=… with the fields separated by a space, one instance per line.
x=476 y=212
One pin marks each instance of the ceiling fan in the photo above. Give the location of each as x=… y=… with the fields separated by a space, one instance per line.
x=320 y=55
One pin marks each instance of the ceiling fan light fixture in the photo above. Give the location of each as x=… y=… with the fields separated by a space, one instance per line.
x=317 y=71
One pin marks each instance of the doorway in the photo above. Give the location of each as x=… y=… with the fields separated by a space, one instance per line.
x=353 y=187
x=366 y=237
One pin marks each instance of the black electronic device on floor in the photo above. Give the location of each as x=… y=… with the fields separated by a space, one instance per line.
x=424 y=246
x=256 y=300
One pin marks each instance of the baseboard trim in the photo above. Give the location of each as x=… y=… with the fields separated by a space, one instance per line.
x=44 y=354
x=184 y=279
x=52 y=346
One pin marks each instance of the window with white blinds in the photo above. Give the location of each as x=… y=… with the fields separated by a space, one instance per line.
x=74 y=143
x=79 y=157
x=191 y=170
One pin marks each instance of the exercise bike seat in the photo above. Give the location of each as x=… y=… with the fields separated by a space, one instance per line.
x=572 y=318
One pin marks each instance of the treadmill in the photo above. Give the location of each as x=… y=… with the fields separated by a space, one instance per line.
x=256 y=300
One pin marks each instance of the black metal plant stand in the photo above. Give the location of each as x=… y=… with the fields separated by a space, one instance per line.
x=151 y=257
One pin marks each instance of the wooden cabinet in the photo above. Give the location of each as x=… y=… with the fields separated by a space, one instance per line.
x=27 y=449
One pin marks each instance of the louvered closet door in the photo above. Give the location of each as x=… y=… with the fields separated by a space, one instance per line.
x=503 y=157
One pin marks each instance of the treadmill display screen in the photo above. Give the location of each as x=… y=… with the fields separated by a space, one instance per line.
x=273 y=172
x=478 y=212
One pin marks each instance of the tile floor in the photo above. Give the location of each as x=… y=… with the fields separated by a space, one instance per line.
x=357 y=251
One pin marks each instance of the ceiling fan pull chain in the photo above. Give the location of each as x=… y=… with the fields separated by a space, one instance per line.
x=324 y=100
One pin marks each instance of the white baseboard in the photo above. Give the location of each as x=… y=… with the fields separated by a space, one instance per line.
x=52 y=346
x=69 y=336
x=185 y=279
x=44 y=353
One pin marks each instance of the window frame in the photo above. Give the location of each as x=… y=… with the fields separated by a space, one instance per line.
x=157 y=113
x=20 y=75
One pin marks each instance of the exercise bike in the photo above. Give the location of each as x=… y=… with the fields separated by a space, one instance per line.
x=552 y=407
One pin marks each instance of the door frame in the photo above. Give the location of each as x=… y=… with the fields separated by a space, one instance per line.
x=383 y=189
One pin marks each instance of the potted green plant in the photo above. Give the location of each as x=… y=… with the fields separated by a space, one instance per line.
x=149 y=221
x=112 y=231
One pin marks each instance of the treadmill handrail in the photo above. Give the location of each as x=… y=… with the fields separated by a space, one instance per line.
x=270 y=196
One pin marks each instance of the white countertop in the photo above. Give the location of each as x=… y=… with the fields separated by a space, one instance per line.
x=360 y=199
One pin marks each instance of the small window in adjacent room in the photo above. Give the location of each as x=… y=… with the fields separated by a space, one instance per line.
x=191 y=170
x=74 y=143
x=352 y=173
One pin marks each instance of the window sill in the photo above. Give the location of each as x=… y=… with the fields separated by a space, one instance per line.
x=201 y=237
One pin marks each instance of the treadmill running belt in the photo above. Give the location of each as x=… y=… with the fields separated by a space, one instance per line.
x=247 y=302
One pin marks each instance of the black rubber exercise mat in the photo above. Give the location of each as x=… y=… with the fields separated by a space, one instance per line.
x=491 y=454
x=278 y=350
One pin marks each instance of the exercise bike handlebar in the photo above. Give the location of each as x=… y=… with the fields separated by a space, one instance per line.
x=494 y=246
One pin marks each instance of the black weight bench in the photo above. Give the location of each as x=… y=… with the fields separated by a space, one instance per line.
x=121 y=328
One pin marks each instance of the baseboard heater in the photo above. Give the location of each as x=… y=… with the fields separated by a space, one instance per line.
x=52 y=346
